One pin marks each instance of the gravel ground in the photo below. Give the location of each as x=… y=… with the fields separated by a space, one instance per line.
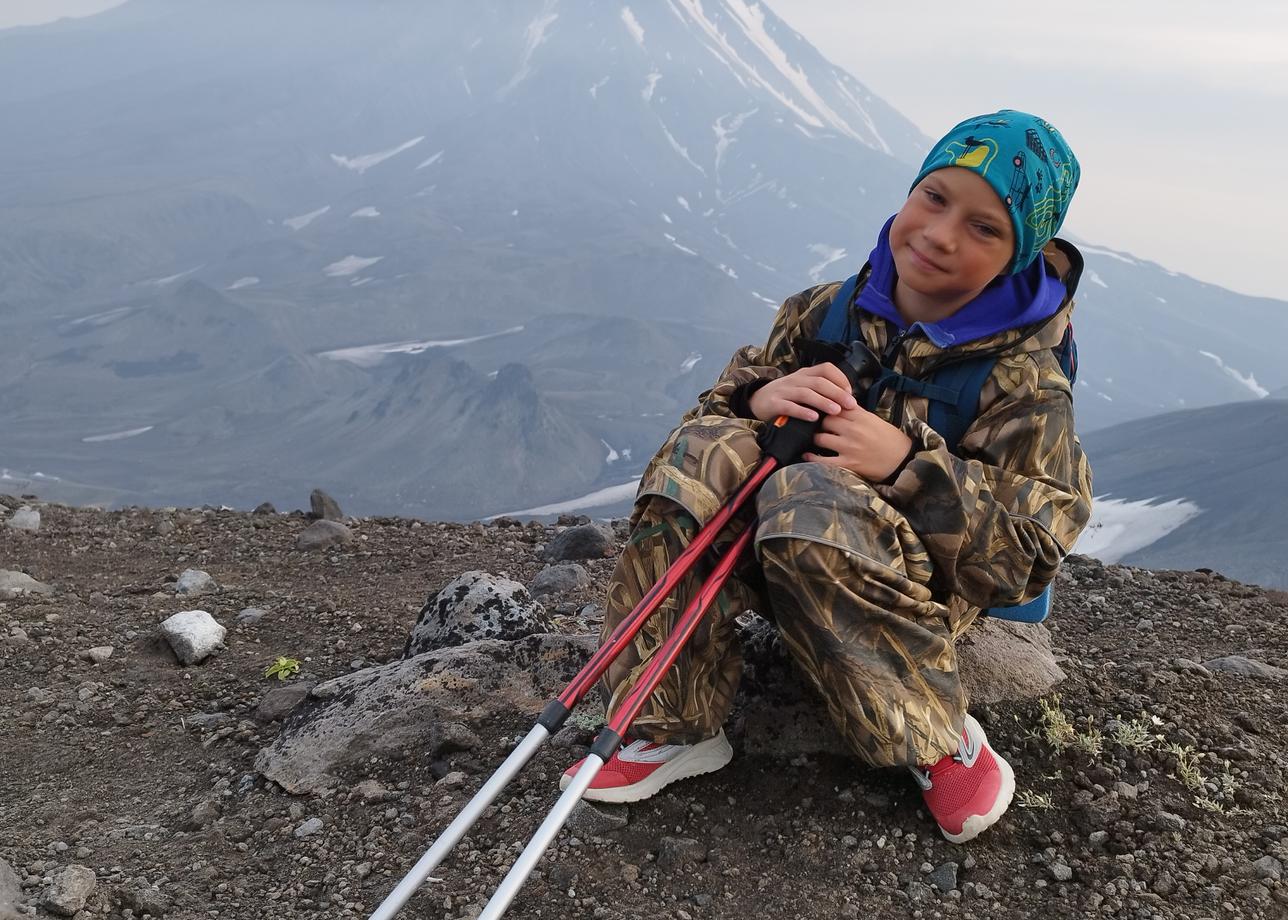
x=1152 y=786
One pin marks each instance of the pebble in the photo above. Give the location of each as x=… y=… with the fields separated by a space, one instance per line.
x=99 y=654
x=309 y=828
x=1060 y=872
x=193 y=582
x=250 y=616
x=944 y=877
x=70 y=890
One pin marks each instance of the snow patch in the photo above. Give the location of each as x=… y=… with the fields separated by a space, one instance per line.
x=371 y=355
x=650 y=85
x=762 y=297
x=682 y=151
x=613 y=455
x=609 y=496
x=1248 y=380
x=1097 y=251
x=102 y=319
x=830 y=254
x=633 y=26
x=365 y=212
x=594 y=90
x=303 y=220
x=170 y=279
x=684 y=203
x=117 y=435
x=349 y=265
x=1119 y=528
x=684 y=249
x=242 y=282
x=667 y=217
x=535 y=37
x=1096 y=279
x=432 y=160
x=725 y=133
x=691 y=360
x=360 y=164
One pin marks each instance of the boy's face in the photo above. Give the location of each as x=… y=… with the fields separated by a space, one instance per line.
x=951 y=238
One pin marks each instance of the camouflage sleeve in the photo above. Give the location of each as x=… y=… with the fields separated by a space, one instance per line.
x=999 y=518
x=799 y=315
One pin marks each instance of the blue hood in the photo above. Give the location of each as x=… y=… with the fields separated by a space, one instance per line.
x=1008 y=302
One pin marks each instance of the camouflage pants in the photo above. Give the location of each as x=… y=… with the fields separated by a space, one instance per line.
x=839 y=571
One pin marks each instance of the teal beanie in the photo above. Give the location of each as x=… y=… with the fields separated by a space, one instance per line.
x=1027 y=163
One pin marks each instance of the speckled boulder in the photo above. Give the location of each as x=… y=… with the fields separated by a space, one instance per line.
x=473 y=606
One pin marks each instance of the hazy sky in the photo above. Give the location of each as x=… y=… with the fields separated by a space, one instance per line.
x=1176 y=108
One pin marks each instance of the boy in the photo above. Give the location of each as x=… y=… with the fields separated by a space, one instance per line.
x=875 y=553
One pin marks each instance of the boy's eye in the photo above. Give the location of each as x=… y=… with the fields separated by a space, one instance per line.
x=986 y=230
x=934 y=196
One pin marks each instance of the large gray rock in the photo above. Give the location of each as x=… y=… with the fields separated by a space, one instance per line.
x=419 y=707
x=1246 y=667
x=476 y=605
x=10 y=893
x=70 y=890
x=324 y=507
x=193 y=634
x=559 y=579
x=12 y=584
x=585 y=541
x=24 y=518
x=780 y=715
x=322 y=534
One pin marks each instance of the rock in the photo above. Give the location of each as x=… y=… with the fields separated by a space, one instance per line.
x=250 y=616
x=410 y=705
x=998 y=661
x=673 y=852
x=1268 y=867
x=193 y=582
x=70 y=890
x=204 y=813
x=99 y=654
x=559 y=579
x=309 y=828
x=589 y=820
x=13 y=584
x=264 y=508
x=585 y=541
x=278 y=702
x=1189 y=666
x=11 y=900
x=944 y=877
x=1060 y=872
x=146 y=901
x=369 y=790
x=322 y=534
x=25 y=518
x=473 y=606
x=324 y=507
x=1246 y=667
x=193 y=634
x=164 y=527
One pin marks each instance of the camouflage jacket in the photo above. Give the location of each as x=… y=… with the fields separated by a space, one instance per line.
x=999 y=516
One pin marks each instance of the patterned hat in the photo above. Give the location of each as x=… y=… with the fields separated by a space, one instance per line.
x=1027 y=163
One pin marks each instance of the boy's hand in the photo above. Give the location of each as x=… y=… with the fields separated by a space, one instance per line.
x=865 y=444
x=803 y=394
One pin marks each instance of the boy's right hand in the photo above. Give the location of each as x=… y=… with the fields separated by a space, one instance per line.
x=804 y=394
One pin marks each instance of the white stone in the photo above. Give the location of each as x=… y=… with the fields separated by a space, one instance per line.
x=24 y=518
x=13 y=584
x=193 y=634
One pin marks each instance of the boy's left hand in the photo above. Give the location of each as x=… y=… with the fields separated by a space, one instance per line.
x=865 y=444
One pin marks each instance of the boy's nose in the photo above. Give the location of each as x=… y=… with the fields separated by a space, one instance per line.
x=939 y=235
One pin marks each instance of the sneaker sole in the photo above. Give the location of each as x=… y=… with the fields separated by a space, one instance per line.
x=975 y=825
x=706 y=757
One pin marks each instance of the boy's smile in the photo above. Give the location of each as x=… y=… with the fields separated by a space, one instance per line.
x=951 y=238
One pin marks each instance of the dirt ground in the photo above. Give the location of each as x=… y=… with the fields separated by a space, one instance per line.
x=1152 y=786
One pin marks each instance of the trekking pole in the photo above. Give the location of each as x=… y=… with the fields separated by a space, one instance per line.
x=781 y=442
x=557 y=710
x=610 y=737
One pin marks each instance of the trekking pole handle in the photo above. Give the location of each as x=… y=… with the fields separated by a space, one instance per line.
x=786 y=438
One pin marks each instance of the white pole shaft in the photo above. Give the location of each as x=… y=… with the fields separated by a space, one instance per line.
x=464 y=821
x=528 y=859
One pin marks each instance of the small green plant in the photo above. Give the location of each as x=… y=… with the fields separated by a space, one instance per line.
x=1091 y=742
x=1187 y=767
x=1056 y=728
x=1134 y=735
x=283 y=668
x=1207 y=804
x=1026 y=798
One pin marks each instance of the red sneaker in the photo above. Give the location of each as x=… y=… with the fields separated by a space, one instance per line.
x=641 y=769
x=967 y=791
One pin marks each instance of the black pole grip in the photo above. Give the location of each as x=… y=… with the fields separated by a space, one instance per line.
x=786 y=438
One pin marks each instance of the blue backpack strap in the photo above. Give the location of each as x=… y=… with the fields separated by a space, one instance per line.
x=951 y=414
x=837 y=321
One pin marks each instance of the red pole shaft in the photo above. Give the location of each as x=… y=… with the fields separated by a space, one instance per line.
x=626 y=631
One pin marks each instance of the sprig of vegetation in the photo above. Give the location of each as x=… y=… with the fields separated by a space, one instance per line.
x=283 y=668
